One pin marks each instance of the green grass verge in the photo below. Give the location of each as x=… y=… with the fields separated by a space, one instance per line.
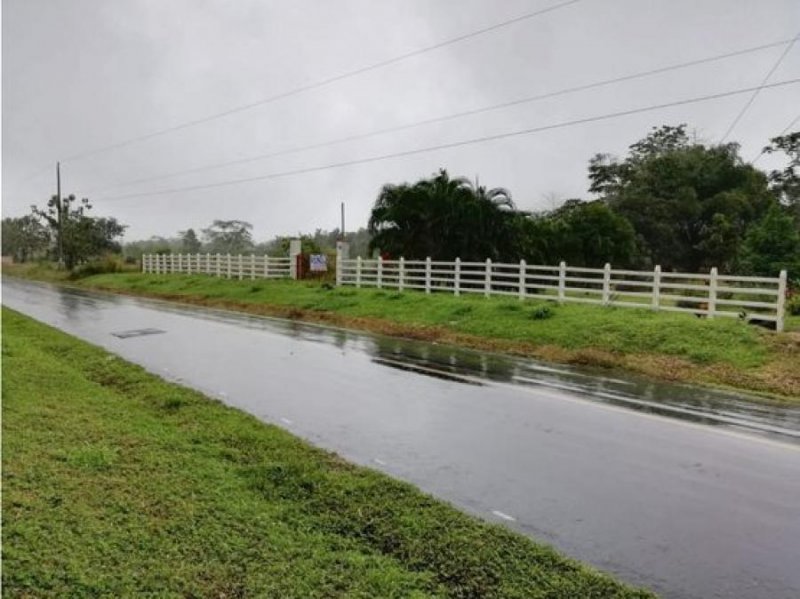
x=117 y=483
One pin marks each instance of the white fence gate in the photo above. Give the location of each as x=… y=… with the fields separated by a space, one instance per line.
x=712 y=294
x=237 y=266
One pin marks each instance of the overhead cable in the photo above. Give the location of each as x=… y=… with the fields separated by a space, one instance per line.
x=446 y=117
x=455 y=144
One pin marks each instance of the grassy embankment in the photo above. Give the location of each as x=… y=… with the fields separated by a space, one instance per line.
x=664 y=345
x=116 y=483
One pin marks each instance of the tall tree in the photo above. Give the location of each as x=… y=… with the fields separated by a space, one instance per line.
x=690 y=204
x=189 y=241
x=443 y=218
x=591 y=234
x=24 y=238
x=83 y=237
x=786 y=182
x=229 y=237
x=772 y=245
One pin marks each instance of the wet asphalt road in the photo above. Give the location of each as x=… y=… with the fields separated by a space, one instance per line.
x=691 y=493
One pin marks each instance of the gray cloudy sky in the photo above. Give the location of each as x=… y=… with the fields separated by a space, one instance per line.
x=83 y=74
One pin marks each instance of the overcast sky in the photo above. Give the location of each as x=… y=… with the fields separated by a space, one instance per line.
x=85 y=74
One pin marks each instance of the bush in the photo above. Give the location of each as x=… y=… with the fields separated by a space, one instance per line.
x=109 y=264
x=793 y=305
x=542 y=312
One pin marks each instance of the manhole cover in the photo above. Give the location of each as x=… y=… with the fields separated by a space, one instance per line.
x=137 y=333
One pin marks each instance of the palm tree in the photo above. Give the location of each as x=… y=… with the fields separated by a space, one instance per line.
x=444 y=218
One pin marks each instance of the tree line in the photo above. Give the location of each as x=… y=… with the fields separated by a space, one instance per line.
x=235 y=237
x=670 y=200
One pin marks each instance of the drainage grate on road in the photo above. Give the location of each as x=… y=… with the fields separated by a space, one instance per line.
x=137 y=333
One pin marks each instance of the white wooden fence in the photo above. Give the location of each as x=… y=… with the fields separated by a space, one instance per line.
x=237 y=266
x=712 y=294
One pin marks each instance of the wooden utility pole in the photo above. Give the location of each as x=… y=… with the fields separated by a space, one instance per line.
x=60 y=217
x=342 y=230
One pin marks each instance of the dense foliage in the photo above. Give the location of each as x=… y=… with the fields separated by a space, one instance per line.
x=74 y=235
x=671 y=201
x=690 y=204
x=24 y=238
x=443 y=218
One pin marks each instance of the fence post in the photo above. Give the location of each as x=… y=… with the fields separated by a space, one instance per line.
x=402 y=274
x=606 y=284
x=562 y=281
x=712 y=293
x=457 y=278
x=218 y=264
x=180 y=263
x=144 y=263
x=487 y=278
x=657 y=287
x=228 y=268
x=358 y=271
x=172 y=264
x=295 y=249
x=239 y=266
x=781 y=305
x=266 y=268
x=428 y=274
x=380 y=272
x=522 y=279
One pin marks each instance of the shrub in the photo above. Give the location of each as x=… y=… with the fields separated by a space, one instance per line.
x=109 y=264
x=542 y=312
x=793 y=305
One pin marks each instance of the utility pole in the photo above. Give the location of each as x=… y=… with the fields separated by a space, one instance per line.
x=342 y=230
x=60 y=217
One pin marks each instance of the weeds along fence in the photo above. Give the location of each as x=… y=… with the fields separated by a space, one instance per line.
x=710 y=295
x=230 y=266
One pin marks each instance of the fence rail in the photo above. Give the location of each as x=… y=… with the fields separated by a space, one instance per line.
x=706 y=294
x=250 y=266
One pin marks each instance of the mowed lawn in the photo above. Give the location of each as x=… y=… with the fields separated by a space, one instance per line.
x=117 y=483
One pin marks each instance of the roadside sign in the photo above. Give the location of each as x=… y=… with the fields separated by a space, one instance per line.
x=318 y=263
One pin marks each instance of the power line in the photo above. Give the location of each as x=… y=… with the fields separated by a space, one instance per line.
x=35 y=174
x=447 y=117
x=784 y=130
x=758 y=89
x=322 y=82
x=455 y=144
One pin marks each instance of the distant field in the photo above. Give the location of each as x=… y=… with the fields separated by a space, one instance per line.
x=118 y=484
x=721 y=351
